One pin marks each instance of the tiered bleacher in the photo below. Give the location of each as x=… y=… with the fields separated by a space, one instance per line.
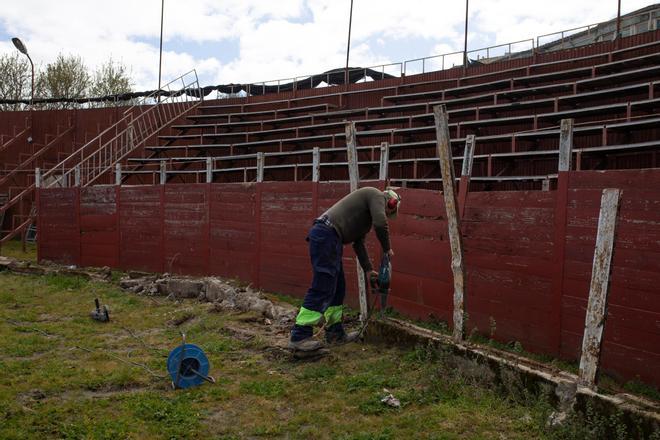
x=513 y=112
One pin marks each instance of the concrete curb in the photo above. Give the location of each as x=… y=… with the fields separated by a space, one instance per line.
x=514 y=374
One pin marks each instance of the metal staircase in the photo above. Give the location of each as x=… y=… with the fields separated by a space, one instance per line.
x=97 y=158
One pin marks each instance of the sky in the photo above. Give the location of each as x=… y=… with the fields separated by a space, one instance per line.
x=239 y=41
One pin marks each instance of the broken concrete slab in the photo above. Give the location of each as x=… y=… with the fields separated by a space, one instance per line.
x=218 y=290
x=182 y=288
x=224 y=294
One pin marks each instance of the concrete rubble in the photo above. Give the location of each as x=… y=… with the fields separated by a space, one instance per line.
x=225 y=295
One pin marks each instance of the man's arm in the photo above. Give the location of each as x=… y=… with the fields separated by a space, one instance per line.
x=361 y=252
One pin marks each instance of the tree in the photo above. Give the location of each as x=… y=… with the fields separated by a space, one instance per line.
x=66 y=78
x=15 y=78
x=110 y=79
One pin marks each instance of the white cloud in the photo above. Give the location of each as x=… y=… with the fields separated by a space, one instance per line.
x=273 y=42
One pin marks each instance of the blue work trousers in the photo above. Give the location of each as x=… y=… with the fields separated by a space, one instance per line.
x=328 y=283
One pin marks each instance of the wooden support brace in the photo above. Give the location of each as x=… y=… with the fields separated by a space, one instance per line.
x=316 y=164
x=598 y=290
x=565 y=144
x=384 y=161
x=209 y=170
x=354 y=177
x=260 y=166
x=163 y=173
x=466 y=172
x=453 y=221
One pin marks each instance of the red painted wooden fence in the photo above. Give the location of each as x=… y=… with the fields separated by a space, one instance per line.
x=528 y=254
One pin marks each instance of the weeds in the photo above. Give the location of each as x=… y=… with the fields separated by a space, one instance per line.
x=53 y=391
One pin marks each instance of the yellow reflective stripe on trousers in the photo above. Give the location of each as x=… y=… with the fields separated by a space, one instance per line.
x=333 y=315
x=308 y=317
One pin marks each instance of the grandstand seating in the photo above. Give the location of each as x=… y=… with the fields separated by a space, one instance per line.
x=20 y=155
x=514 y=112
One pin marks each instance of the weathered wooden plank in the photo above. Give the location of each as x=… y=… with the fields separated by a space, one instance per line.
x=316 y=164
x=513 y=199
x=453 y=221
x=468 y=156
x=595 y=320
x=384 y=161
x=648 y=179
x=354 y=176
x=565 y=144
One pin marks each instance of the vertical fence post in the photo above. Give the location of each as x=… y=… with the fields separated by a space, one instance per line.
x=163 y=172
x=565 y=144
x=466 y=173
x=118 y=174
x=209 y=170
x=561 y=216
x=260 y=167
x=37 y=200
x=76 y=174
x=354 y=178
x=316 y=164
x=384 y=161
x=598 y=290
x=453 y=221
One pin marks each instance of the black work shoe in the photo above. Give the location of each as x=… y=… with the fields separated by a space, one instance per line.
x=307 y=344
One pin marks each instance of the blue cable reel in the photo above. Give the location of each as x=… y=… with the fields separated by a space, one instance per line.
x=188 y=366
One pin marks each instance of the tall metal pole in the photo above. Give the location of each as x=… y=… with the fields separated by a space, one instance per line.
x=160 y=58
x=465 y=61
x=618 y=22
x=348 y=45
x=32 y=86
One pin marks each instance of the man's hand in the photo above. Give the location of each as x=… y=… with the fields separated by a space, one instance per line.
x=390 y=253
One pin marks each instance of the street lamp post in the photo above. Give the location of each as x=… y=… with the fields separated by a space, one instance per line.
x=22 y=49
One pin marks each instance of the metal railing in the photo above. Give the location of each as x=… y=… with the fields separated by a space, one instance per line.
x=592 y=33
x=99 y=155
x=139 y=123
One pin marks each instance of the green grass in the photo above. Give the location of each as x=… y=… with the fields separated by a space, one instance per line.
x=14 y=249
x=62 y=378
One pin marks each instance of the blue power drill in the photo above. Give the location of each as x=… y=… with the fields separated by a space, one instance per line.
x=381 y=283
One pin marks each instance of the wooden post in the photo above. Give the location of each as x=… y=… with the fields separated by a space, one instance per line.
x=76 y=174
x=354 y=177
x=118 y=174
x=260 y=166
x=453 y=222
x=561 y=216
x=384 y=161
x=466 y=173
x=565 y=144
x=600 y=277
x=316 y=164
x=468 y=156
x=209 y=170
x=163 y=173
